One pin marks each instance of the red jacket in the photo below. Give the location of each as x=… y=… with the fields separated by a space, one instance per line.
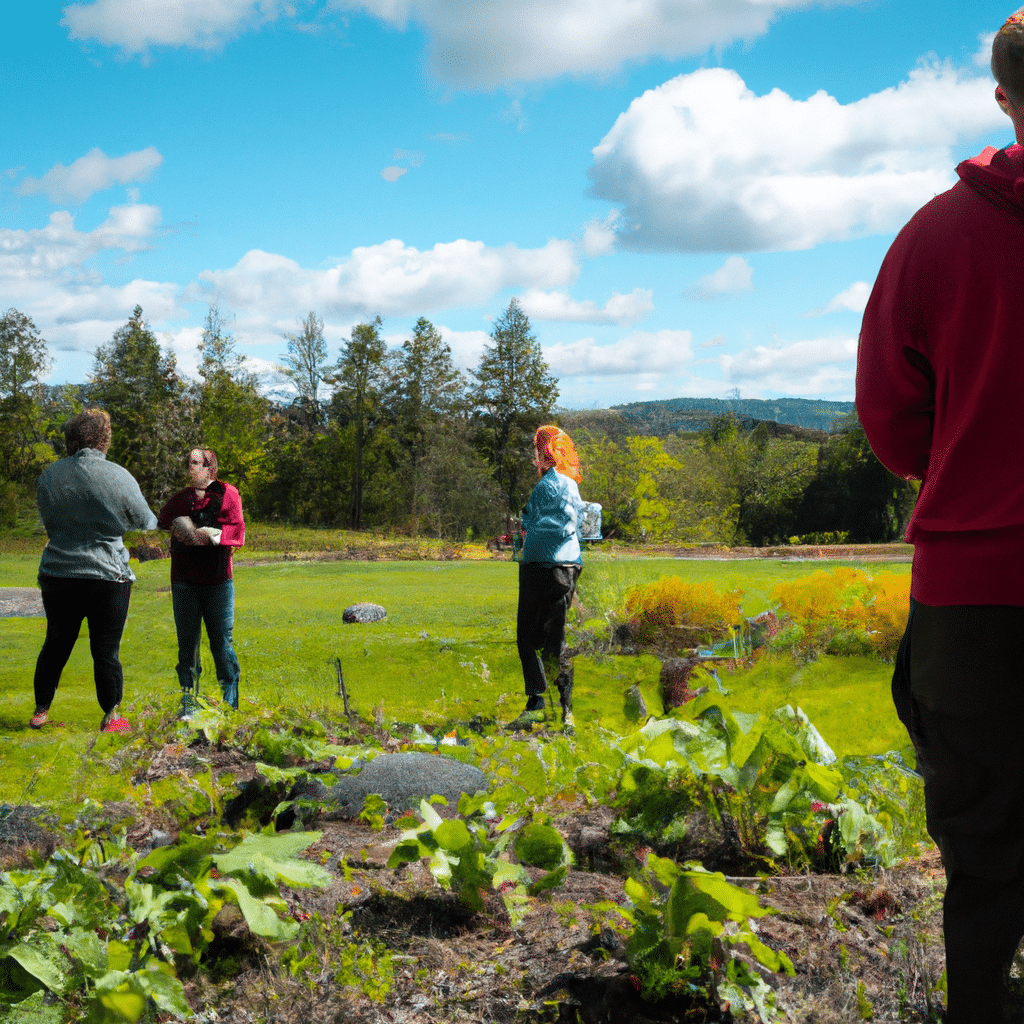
x=940 y=381
x=206 y=564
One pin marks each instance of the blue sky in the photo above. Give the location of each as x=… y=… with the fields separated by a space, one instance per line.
x=688 y=197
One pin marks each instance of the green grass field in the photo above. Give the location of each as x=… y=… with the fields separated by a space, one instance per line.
x=446 y=654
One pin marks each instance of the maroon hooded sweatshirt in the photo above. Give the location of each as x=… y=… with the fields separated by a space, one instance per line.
x=940 y=382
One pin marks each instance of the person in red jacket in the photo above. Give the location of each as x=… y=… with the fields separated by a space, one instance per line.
x=206 y=526
x=940 y=375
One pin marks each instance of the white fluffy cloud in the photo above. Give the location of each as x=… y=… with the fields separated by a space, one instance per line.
x=735 y=275
x=46 y=270
x=702 y=163
x=135 y=25
x=822 y=367
x=484 y=43
x=475 y=43
x=619 y=309
x=639 y=352
x=392 y=278
x=853 y=299
x=599 y=235
x=92 y=173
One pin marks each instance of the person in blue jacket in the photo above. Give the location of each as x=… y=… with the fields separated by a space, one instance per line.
x=550 y=566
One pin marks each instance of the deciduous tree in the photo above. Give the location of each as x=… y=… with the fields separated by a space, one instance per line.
x=232 y=412
x=24 y=361
x=306 y=365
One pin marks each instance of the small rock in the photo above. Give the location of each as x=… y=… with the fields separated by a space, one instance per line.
x=364 y=612
x=635 y=708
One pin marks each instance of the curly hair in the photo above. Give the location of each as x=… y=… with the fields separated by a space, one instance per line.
x=89 y=429
x=1008 y=57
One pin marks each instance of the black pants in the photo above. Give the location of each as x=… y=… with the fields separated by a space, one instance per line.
x=958 y=687
x=67 y=601
x=545 y=593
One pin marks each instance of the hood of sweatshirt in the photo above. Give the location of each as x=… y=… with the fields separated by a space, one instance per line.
x=998 y=176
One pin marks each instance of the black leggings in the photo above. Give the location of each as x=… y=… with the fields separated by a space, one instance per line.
x=67 y=601
x=545 y=593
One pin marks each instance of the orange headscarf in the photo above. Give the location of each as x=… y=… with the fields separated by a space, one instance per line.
x=555 y=447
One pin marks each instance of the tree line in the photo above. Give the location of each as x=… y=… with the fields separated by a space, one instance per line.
x=401 y=439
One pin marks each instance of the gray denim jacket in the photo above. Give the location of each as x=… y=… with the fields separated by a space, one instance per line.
x=87 y=505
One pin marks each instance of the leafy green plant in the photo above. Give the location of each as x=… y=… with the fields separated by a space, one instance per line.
x=691 y=935
x=770 y=778
x=462 y=857
x=327 y=952
x=99 y=927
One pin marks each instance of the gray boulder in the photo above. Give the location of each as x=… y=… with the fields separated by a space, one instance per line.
x=402 y=780
x=365 y=611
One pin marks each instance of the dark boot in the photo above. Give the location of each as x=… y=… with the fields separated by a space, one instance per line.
x=532 y=714
x=189 y=704
x=564 y=684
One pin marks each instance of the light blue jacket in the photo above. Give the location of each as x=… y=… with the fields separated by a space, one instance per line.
x=551 y=520
x=87 y=505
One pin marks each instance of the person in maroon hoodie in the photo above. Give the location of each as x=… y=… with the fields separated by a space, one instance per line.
x=940 y=382
x=206 y=526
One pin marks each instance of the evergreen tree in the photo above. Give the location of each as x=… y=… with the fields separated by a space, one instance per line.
x=429 y=392
x=361 y=378
x=152 y=420
x=233 y=414
x=515 y=394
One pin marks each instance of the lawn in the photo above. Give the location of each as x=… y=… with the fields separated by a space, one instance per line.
x=446 y=654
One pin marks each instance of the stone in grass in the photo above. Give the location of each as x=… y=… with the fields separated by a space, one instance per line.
x=402 y=780
x=364 y=612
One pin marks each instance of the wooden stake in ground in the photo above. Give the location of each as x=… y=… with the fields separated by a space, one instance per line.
x=342 y=692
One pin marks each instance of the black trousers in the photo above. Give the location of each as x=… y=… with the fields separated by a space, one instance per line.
x=545 y=594
x=958 y=687
x=67 y=601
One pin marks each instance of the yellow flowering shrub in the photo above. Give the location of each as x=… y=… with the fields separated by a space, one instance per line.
x=669 y=603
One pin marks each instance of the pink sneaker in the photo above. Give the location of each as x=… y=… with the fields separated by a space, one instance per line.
x=38 y=720
x=115 y=725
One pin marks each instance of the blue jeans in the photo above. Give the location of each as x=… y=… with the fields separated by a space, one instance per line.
x=215 y=606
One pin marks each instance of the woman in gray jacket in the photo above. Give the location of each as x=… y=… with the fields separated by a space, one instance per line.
x=87 y=505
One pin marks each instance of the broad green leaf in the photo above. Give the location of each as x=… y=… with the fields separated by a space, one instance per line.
x=261 y=918
x=274 y=857
x=44 y=961
x=16 y=983
x=123 y=1006
x=166 y=991
x=119 y=956
x=89 y=951
x=700 y=922
x=453 y=834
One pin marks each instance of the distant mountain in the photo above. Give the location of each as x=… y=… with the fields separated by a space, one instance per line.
x=692 y=414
